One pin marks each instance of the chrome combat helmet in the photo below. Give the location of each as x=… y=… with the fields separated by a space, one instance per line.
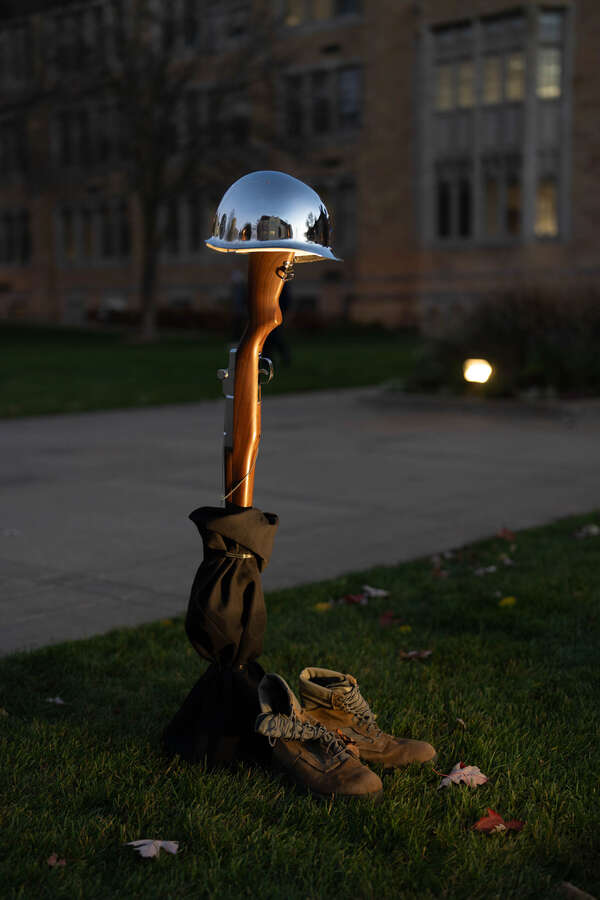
x=272 y=211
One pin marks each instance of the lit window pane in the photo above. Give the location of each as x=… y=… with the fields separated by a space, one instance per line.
x=551 y=22
x=513 y=207
x=491 y=206
x=492 y=79
x=546 y=212
x=445 y=93
x=466 y=92
x=515 y=76
x=295 y=12
x=549 y=72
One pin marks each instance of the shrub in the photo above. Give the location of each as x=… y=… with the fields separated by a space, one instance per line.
x=533 y=339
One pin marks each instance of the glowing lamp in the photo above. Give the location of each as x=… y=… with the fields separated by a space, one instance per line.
x=477 y=370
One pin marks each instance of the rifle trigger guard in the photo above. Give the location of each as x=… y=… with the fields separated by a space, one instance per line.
x=286 y=271
x=265 y=368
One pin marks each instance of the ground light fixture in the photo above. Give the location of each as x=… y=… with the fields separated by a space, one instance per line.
x=477 y=370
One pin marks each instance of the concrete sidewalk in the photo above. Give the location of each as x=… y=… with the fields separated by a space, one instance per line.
x=93 y=517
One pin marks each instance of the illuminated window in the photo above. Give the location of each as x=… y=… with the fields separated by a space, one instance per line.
x=492 y=79
x=515 y=76
x=546 y=212
x=549 y=72
x=466 y=86
x=445 y=93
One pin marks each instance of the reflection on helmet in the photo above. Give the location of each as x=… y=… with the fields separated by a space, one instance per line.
x=272 y=211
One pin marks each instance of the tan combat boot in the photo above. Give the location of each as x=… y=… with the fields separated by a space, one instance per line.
x=335 y=700
x=316 y=759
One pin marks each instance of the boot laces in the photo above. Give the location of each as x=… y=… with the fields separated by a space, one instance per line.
x=291 y=728
x=354 y=703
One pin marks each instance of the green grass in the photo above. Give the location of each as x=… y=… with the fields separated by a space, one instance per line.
x=84 y=778
x=46 y=370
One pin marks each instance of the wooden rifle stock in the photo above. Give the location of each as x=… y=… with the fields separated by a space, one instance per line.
x=264 y=314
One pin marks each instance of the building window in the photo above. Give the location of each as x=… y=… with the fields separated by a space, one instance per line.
x=322 y=101
x=14 y=151
x=445 y=88
x=492 y=80
x=68 y=233
x=293 y=106
x=191 y=23
x=478 y=136
x=15 y=237
x=349 y=96
x=546 y=210
x=549 y=73
x=195 y=222
x=87 y=233
x=172 y=232
x=443 y=208
x=298 y=12
x=492 y=206
x=515 y=77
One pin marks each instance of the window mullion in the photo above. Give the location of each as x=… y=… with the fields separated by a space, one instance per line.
x=476 y=113
x=529 y=146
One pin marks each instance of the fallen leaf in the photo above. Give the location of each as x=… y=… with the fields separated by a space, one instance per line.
x=506 y=534
x=322 y=607
x=148 y=847
x=470 y=775
x=53 y=860
x=374 y=592
x=569 y=890
x=57 y=700
x=462 y=722
x=504 y=558
x=591 y=530
x=438 y=571
x=507 y=601
x=484 y=570
x=415 y=654
x=353 y=600
x=494 y=823
x=388 y=618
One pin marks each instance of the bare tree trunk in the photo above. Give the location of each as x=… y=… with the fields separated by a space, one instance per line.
x=149 y=279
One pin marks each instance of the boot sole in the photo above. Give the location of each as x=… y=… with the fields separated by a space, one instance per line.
x=302 y=788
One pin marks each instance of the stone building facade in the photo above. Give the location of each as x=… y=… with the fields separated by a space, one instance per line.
x=456 y=143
